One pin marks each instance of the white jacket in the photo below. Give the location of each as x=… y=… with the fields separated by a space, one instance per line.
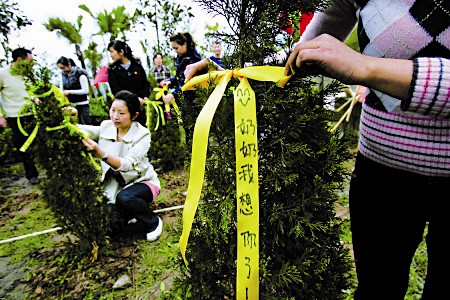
x=133 y=147
x=13 y=93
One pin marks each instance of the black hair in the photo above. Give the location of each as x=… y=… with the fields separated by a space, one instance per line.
x=20 y=53
x=121 y=45
x=182 y=38
x=65 y=61
x=131 y=101
x=156 y=54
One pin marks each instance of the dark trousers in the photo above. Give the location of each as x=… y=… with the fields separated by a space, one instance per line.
x=133 y=202
x=18 y=140
x=389 y=210
x=84 y=114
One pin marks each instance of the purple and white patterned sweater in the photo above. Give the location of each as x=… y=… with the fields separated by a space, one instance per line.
x=411 y=135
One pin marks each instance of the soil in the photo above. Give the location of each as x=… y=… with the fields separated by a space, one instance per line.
x=22 y=281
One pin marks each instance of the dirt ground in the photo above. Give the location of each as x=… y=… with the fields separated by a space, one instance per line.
x=17 y=196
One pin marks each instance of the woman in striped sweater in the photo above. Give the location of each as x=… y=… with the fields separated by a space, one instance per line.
x=402 y=170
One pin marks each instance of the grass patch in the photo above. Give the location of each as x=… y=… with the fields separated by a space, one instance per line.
x=37 y=219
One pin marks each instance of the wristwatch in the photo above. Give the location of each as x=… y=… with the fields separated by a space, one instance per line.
x=105 y=157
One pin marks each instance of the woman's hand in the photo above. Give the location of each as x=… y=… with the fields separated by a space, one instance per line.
x=168 y=98
x=326 y=55
x=192 y=69
x=164 y=83
x=93 y=147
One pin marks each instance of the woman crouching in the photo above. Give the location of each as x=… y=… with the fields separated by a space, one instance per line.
x=129 y=179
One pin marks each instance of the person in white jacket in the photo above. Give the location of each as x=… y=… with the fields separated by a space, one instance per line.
x=130 y=181
x=402 y=168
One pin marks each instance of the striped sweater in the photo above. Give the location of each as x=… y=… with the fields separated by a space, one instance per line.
x=411 y=135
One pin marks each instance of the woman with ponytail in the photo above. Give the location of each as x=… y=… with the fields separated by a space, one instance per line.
x=184 y=46
x=126 y=73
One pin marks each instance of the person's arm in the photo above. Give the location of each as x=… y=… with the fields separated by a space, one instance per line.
x=429 y=93
x=92 y=130
x=199 y=67
x=134 y=155
x=61 y=86
x=143 y=85
x=112 y=160
x=330 y=57
x=84 y=87
x=138 y=151
x=338 y=19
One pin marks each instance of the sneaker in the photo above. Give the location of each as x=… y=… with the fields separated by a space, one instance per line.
x=34 y=180
x=156 y=233
x=132 y=221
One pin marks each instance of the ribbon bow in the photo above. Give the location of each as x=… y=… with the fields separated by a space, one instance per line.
x=161 y=92
x=246 y=166
x=73 y=129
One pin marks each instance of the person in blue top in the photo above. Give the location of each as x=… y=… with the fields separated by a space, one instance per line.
x=217 y=57
x=187 y=54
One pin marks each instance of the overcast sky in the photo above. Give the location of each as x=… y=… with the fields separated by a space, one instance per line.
x=49 y=47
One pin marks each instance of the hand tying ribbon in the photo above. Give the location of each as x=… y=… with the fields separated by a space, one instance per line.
x=161 y=92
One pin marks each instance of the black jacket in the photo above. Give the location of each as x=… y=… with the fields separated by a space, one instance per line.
x=134 y=79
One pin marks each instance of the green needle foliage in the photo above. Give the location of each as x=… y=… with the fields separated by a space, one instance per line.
x=301 y=166
x=72 y=187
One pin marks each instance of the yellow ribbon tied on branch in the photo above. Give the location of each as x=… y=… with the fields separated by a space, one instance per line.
x=159 y=113
x=247 y=193
x=73 y=129
x=161 y=92
x=58 y=95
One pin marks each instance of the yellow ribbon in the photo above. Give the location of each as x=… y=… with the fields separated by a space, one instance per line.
x=159 y=113
x=354 y=98
x=58 y=95
x=74 y=130
x=246 y=166
x=161 y=92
